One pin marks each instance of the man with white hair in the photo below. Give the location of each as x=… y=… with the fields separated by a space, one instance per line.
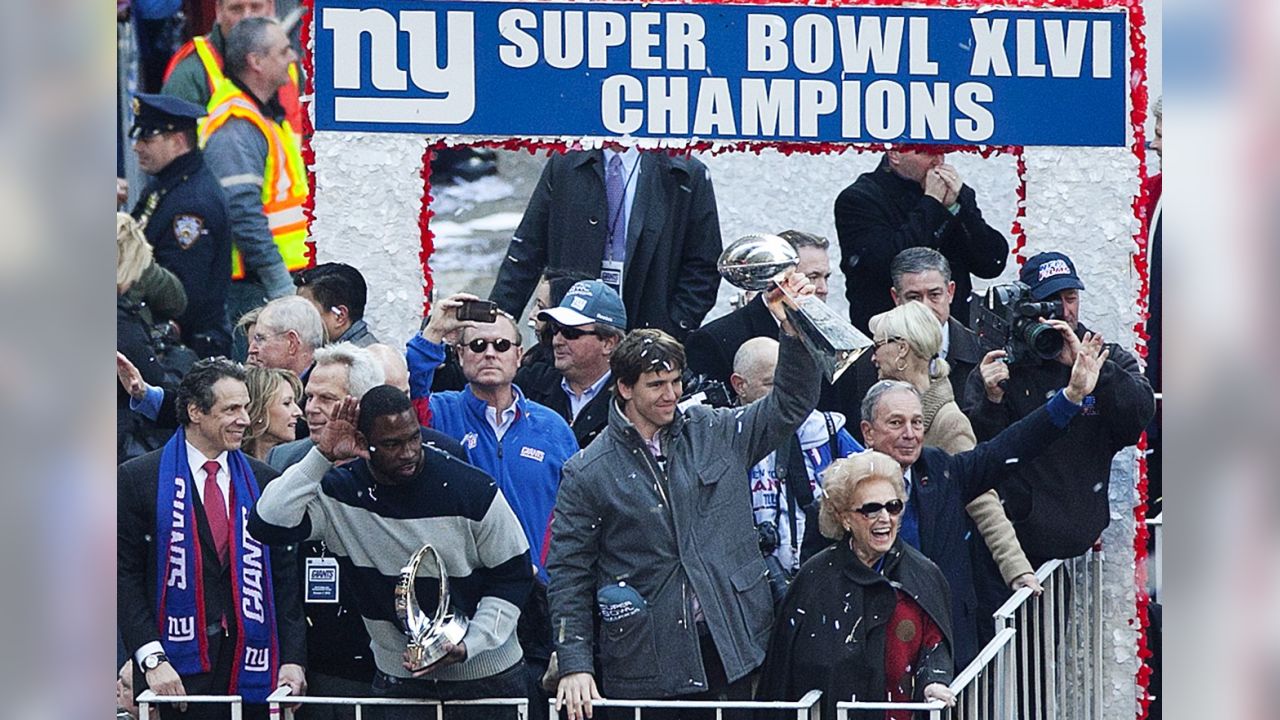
x=784 y=485
x=288 y=331
x=393 y=364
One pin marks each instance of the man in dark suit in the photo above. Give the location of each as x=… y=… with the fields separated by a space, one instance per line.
x=912 y=199
x=216 y=620
x=922 y=274
x=643 y=222
x=939 y=485
x=710 y=349
x=585 y=328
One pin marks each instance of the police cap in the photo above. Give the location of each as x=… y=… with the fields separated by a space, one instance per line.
x=155 y=114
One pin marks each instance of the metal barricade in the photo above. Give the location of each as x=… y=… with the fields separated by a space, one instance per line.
x=984 y=690
x=1059 y=659
x=149 y=697
x=806 y=708
x=280 y=702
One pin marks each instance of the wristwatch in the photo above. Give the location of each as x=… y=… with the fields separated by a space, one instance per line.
x=153 y=661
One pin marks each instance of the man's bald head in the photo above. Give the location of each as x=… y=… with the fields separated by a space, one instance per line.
x=753 y=368
x=393 y=365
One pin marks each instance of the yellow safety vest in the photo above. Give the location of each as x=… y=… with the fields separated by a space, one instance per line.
x=212 y=62
x=284 y=176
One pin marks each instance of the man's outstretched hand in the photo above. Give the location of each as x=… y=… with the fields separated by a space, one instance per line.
x=338 y=440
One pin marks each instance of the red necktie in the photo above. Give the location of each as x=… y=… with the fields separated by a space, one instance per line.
x=215 y=509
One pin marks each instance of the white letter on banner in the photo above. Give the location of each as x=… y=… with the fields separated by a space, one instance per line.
x=347 y=26
x=1102 y=49
x=988 y=47
x=886 y=110
x=604 y=30
x=863 y=43
x=562 y=38
x=919 y=42
x=1066 y=50
x=768 y=107
x=930 y=111
x=715 y=108
x=523 y=50
x=643 y=40
x=851 y=109
x=817 y=98
x=684 y=41
x=615 y=90
x=981 y=125
x=664 y=103
x=766 y=44
x=1026 y=42
x=814 y=40
x=456 y=79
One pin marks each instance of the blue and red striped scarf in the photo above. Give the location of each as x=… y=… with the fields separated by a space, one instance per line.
x=180 y=607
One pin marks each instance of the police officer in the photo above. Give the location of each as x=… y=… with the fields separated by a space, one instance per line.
x=184 y=213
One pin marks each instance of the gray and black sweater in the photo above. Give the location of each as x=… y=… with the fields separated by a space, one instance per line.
x=374 y=528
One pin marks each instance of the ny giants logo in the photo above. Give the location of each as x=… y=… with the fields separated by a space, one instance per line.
x=455 y=79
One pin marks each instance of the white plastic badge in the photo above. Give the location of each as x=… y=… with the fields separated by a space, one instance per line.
x=322 y=580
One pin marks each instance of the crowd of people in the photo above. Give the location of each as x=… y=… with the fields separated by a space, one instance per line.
x=639 y=505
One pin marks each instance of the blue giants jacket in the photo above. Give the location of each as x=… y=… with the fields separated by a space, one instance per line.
x=526 y=462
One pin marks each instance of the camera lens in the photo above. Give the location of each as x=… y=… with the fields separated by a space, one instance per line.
x=1044 y=341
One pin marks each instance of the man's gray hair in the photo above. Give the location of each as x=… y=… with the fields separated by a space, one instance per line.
x=916 y=260
x=800 y=238
x=364 y=372
x=881 y=389
x=295 y=313
x=248 y=36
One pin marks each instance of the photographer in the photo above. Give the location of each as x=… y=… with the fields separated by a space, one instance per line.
x=784 y=485
x=1070 y=480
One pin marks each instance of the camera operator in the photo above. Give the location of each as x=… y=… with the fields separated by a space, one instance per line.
x=1070 y=480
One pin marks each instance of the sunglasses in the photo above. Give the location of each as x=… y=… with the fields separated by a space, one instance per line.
x=570 y=333
x=879 y=343
x=479 y=345
x=895 y=508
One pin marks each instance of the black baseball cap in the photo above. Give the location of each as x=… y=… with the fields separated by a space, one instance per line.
x=1048 y=274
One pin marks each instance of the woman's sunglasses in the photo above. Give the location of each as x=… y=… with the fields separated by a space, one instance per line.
x=479 y=345
x=895 y=508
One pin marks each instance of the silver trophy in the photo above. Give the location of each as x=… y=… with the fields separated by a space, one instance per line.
x=428 y=636
x=760 y=262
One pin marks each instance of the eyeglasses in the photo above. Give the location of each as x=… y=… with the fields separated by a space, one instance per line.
x=258 y=338
x=886 y=341
x=894 y=507
x=570 y=333
x=479 y=345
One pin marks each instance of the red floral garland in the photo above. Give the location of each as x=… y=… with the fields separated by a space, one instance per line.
x=307 y=129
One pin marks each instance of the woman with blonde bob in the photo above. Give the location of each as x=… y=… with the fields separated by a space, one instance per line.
x=908 y=339
x=273 y=410
x=868 y=617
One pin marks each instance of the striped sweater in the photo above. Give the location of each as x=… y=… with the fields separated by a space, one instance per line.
x=374 y=528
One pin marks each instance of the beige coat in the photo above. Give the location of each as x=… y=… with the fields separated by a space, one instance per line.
x=946 y=427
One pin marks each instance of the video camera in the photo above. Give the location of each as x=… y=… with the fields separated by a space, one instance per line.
x=1006 y=318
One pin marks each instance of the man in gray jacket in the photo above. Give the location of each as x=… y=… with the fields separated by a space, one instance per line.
x=653 y=522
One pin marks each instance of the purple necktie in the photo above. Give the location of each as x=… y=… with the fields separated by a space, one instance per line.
x=615 y=191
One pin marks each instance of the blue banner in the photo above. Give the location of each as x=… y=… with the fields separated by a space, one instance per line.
x=773 y=73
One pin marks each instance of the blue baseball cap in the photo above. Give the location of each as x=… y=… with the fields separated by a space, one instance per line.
x=588 y=301
x=1049 y=273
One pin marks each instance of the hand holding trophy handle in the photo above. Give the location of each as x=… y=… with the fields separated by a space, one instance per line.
x=431 y=639
x=763 y=262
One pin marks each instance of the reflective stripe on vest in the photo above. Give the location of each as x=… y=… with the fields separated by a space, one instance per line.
x=284 y=177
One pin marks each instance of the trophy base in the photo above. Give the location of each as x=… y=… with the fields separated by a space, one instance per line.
x=428 y=650
x=832 y=341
